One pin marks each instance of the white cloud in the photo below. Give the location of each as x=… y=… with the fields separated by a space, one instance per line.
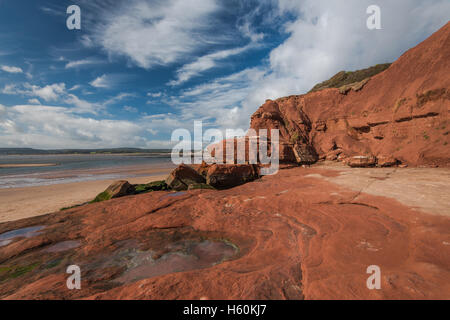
x=118 y=97
x=56 y=93
x=9 y=89
x=156 y=33
x=59 y=127
x=154 y=94
x=49 y=92
x=81 y=63
x=83 y=106
x=75 y=87
x=204 y=63
x=86 y=41
x=11 y=69
x=218 y=102
x=54 y=12
x=101 y=82
x=34 y=101
x=130 y=109
x=330 y=36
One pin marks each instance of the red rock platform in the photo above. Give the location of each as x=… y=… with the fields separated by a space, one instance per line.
x=296 y=235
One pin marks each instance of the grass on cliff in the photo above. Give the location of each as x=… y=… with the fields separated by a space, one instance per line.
x=103 y=196
x=344 y=78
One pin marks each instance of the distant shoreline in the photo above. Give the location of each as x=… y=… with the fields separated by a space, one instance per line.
x=75 y=151
x=88 y=154
x=27 y=165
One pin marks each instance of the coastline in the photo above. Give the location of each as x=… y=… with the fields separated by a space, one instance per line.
x=26 y=202
x=27 y=165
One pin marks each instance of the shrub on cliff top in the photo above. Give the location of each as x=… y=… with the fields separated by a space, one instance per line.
x=348 y=77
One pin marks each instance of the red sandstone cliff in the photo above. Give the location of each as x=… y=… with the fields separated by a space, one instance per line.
x=401 y=113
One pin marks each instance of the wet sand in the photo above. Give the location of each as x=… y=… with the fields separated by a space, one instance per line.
x=19 y=203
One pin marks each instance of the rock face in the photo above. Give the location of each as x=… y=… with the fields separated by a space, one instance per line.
x=222 y=176
x=402 y=112
x=183 y=176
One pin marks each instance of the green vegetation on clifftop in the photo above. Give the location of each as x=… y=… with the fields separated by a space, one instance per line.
x=344 y=78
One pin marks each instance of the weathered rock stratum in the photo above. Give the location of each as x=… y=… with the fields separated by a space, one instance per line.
x=401 y=113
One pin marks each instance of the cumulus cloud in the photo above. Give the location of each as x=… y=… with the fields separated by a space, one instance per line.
x=330 y=36
x=83 y=106
x=218 y=102
x=49 y=92
x=57 y=93
x=10 y=69
x=59 y=127
x=34 y=101
x=9 y=89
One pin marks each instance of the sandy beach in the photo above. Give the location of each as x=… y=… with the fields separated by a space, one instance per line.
x=19 y=203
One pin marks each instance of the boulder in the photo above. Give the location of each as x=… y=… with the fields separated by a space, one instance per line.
x=387 y=161
x=115 y=190
x=182 y=176
x=119 y=189
x=223 y=176
x=361 y=161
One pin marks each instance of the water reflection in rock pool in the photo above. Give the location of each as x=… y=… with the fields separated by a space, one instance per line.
x=8 y=237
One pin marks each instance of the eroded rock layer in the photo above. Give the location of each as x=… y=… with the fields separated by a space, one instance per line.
x=401 y=113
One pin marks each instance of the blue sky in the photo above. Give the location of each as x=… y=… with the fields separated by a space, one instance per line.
x=139 y=69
